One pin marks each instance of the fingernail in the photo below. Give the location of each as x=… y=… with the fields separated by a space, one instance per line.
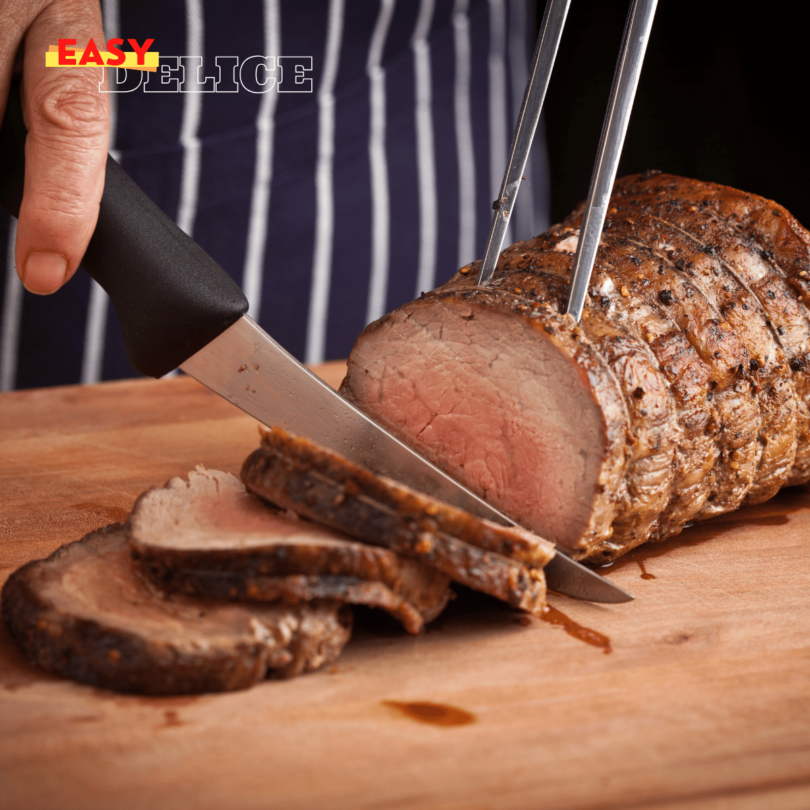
x=44 y=272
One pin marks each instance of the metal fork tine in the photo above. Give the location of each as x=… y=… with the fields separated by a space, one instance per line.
x=625 y=81
x=545 y=52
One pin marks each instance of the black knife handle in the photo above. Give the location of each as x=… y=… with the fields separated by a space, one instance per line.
x=171 y=297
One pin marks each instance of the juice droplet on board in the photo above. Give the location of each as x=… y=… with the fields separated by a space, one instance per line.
x=436 y=714
x=592 y=637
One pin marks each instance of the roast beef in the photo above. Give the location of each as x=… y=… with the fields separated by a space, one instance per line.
x=295 y=474
x=683 y=392
x=208 y=536
x=85 y=612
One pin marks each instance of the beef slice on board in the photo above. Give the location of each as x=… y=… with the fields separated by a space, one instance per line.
x=296 y=474
x=209 y=536
x=87 y=613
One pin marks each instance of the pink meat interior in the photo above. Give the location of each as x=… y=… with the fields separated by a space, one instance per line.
x=490 y=399
x=212 y=510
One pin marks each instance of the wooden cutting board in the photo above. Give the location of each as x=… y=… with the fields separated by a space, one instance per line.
x=704 y=701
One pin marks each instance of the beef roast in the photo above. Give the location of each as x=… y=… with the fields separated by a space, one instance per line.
x=505 y=562
x=86 y=612
x=683 y=392
x=209 y=536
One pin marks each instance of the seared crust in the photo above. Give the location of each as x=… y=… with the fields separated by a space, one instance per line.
x=132 y=638
x=296 y=588
x=766 y=250
x=746 y=295
x=641 y=292
x=295 y=474
x=707 y=306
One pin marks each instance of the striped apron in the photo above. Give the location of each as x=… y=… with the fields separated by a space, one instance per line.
x=328 y=207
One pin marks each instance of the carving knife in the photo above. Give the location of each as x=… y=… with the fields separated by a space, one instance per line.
x=178 y=307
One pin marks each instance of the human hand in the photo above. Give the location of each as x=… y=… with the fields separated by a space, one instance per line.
x=68 y=121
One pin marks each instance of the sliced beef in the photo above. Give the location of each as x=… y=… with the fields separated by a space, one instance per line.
x=86 y=612
x=681 y=394
x=505 y=562
x=209 y=536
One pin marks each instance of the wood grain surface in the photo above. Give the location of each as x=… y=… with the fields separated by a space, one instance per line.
x=704 y=701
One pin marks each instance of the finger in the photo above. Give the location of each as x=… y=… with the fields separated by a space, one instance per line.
x=15 y=18
x=66 y=150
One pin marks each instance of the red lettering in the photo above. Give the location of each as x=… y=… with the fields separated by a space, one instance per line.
x=91 y=55
x=120 y=56
x=65 y=55
x=141 y=49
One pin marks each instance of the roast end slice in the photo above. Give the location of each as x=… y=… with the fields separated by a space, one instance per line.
x=86 y=613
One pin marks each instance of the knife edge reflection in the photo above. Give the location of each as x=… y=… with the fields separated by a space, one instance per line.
x=248 y=368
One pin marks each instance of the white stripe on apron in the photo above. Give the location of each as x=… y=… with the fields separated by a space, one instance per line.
x=464 y=136
x=380 y=213
x=252 y=275
x=324 y=191
x=425 y=153
x=95 y=328
x=190 y=125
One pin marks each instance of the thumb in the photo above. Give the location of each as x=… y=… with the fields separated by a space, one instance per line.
x=66 y=150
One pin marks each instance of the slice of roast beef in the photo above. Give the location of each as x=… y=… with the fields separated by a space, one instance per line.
x=697 y=309
x=297 y=588
x=209 y=536
x=86 y=613
x=505 y=562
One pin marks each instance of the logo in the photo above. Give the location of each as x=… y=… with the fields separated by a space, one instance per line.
x=147 y=70
x=139 y=58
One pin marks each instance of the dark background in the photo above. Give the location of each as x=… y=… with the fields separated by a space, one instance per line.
x=723 y=97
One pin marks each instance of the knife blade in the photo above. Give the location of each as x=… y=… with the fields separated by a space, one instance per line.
x=247 y=367
x=178 y=307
